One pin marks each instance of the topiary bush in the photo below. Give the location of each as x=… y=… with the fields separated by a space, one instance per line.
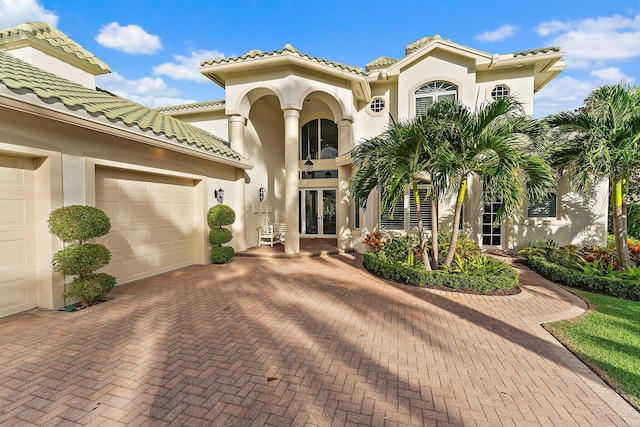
x=75 y=225
x=78 y=223
x=218 y=217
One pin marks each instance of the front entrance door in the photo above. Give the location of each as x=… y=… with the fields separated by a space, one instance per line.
x=318 y=212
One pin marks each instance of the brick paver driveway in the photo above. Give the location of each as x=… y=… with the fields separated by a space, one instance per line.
x=299 y=342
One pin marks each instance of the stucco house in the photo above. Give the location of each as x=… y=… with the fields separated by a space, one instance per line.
x=156 y=172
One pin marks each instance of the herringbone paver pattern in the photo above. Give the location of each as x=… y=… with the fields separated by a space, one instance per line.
x=314 y=341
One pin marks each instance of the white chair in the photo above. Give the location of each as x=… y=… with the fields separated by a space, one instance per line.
x=267 y=233
x=281 y=229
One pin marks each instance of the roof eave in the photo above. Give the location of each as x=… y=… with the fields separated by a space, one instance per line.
x=480 y=58
x=218 y=72
x=135 y=134
x=23 y=39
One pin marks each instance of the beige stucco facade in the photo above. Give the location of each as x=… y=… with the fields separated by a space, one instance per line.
x=157 y=188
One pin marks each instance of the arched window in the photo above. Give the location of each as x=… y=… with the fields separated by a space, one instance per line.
x=319 y=139
x=500 y=91
x=427 y=94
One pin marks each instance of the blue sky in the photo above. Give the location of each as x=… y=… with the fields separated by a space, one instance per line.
x=154 y=47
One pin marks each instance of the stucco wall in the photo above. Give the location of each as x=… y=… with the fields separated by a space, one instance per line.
x=439 y=65
x=67 y=156
x=519 y=81
x=54 y=65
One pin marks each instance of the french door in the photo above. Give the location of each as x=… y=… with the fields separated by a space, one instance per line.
x=317 y=212
x=491 y=232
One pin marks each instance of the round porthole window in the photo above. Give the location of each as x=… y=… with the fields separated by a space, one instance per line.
x=377 y=105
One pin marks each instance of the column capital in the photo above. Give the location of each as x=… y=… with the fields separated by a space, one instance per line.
x=345 y=122
x=291 y=112
x=237 y=118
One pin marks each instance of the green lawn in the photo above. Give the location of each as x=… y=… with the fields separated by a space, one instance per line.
x=608 y=340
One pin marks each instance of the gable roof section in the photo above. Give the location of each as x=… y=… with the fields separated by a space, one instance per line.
x=286 y=51
x=21 y=77
x=54 y=42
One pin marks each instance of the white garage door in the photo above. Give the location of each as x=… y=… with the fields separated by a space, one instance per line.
x=17 y=235
x=152 y=222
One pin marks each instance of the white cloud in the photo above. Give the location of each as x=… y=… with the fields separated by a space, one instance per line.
x=15 y=12
x=501 y=33
x=594 y=40
x=129 y=39
x=186 y=67
x=612 y=75
x=150 y=91
x=568 y=93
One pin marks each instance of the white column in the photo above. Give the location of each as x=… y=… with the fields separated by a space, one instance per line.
x=291 y=131
x=236 y=139
x=344 y=172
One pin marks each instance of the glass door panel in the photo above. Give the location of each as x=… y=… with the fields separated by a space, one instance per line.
x=311 y=212
x=328 y=211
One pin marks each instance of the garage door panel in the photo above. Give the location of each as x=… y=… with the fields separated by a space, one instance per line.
x=18 y=294
x=155 y=219
x=183 y=256
x=14 y=253
x=18 y=255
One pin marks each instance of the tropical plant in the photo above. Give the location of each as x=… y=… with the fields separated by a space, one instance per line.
x=218 y=217
x=397 y=158
x=601 y=141
x=374 y=241
x=75 y=225
x=493 y=143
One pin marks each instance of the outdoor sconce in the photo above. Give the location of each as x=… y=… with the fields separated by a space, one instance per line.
x=219 y=193
x=261 y=194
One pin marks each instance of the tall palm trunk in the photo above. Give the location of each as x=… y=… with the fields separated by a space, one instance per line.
x=619 y=224
x=423 y=244
x=456 y=221
x=435 y=250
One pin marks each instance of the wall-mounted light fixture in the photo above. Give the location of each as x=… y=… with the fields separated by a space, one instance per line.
x=219 y=193
x=261 y=194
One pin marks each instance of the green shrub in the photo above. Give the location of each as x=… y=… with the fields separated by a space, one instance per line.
x=220 y=215
x=217 y=217
x=405 y=249
x=218 y=236
x=505 y=280
x=478 y=265
x=620 y=288
x=90 y=288
x=222 y=254
x=77 y=223
x=465 y=247
x=81 y=259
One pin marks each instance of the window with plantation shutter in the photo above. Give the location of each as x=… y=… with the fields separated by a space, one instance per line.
x=395 y=221
x=425 y=207
x=431 y=92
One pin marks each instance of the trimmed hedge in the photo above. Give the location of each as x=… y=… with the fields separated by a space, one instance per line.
x=218 y=236
x=222 y=254
x=619 y=288
x=412 y=276
x=78 y=223
x=81 y=259
x=90 y=287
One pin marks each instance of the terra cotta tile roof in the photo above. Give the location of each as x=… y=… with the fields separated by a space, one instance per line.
x=21 y=77
x=44 y=34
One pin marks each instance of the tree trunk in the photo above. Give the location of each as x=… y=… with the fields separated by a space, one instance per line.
x=619 y=224
x=423 y=245
x=456 y=221
x=435 y=250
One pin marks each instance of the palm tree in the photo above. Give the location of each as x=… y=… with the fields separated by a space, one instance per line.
x=494 y=144
x=601 y=141
x=392 y=161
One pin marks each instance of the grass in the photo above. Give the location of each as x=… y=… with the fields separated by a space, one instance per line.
x=607 y=339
